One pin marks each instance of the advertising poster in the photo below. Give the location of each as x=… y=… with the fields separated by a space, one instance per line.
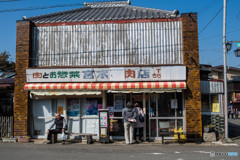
x=60 y=110
x=215 y=107
x=103 y=119
x=100 y=106
x=73 y=107
x=91 y=107
x=174 y=104
x=119 y=102
x=111 y=111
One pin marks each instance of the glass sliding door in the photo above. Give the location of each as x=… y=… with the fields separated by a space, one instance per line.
x=73 y=113
x=165 y=113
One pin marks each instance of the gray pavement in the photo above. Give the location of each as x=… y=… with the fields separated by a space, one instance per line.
x=234 y=128
x=118 y=151
x=74 y=151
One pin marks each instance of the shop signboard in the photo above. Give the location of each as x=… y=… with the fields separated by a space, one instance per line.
x=117 y=74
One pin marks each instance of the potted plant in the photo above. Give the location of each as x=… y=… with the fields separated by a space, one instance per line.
x=9 y=139
x=208 y=128
x=24 y=139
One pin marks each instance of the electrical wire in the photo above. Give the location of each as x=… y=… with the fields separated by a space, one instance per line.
x=210 y=21
x=38 y=8
x=209 y=5
x=9 y=1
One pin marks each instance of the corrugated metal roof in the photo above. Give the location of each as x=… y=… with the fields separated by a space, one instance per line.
x=101 y=11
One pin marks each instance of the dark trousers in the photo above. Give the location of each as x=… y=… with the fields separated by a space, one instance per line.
x=232 y=115
x=229 y=114
x=55 y=132
x=140 y=133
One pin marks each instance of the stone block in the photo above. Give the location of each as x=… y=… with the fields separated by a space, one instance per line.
x=209 y=137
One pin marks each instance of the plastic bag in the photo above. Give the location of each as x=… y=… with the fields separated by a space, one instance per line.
x=63 y=136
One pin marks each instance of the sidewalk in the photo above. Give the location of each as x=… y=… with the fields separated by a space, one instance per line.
x=157 y=142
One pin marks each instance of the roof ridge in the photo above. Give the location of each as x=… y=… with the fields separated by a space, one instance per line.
x=106 y=4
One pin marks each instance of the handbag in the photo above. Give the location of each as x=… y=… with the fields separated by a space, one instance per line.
x=141 y=118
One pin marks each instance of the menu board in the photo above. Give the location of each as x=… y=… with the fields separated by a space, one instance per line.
x=119 y=102
x=103 y=119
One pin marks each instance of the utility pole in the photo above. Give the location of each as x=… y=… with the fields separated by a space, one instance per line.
x=225 y=66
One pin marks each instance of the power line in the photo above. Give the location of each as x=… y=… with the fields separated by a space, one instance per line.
x=9 y=1
x=38 y=8
x=210 y=21
x=209 y=5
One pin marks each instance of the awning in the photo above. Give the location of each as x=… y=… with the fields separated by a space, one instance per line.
x=62 y=93
x=105 y=86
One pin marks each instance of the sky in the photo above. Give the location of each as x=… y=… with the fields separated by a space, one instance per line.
x=210 y=34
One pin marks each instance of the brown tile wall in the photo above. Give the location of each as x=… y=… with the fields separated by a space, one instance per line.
x=22 y=62
x=191 y=60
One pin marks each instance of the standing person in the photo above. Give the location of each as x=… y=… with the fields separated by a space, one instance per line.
x=129 y=116
x=236 y=113
x=60 y=124
x=230 y=109
x=138 y=128
x=232 y=112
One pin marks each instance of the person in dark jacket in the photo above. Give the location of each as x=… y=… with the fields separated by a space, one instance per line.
x=129 y=115
x=60 y=124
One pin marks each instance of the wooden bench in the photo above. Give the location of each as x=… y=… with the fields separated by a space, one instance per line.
x=194 y=136
x=86 y=137
x=55 y=138
x=166 y=134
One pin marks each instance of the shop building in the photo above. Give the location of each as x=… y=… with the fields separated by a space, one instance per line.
x=233 y=77
x=102 y=56
x=212 y=96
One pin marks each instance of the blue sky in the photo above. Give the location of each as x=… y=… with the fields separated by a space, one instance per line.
x=210 y=40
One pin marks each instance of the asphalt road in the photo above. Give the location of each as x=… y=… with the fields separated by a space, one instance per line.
x=76 y=151
x=234 y=128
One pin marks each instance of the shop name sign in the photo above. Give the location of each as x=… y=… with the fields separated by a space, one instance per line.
x=118 y=74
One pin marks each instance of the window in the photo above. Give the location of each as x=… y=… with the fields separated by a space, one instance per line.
x=205 y=103
x=211 y=103
x=165 y=109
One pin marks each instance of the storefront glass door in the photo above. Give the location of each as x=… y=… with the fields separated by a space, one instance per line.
x=165 y=112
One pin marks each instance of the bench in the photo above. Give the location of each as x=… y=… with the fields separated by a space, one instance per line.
x=54 y=137
x=86 y=137
x=166 y=134
x=193 y=136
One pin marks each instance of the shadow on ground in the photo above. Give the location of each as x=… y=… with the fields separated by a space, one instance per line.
x=234 y=129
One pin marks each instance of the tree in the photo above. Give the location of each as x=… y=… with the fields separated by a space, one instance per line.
x=5 y=64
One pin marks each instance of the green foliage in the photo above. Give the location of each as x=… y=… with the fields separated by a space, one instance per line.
x=5 y=64
x=209 y=126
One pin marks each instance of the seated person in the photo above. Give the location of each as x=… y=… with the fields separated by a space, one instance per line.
x=60 y=123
